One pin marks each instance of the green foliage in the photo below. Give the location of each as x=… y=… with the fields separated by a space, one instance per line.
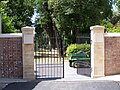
x=108 y=25
x=7 y=27
x=73 y=48
x=116 y=29
x=20 y=12
x=2 y=6
x=70 y=17
x=42 y=9
x=79 y=14
x=117 y=4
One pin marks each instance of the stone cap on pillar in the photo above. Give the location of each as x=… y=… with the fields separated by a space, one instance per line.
x=97 y=27
x=28 y=29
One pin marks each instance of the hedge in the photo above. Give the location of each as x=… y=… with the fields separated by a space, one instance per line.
x=73 y=48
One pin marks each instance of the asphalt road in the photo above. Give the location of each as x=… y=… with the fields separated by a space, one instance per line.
x=65 y=85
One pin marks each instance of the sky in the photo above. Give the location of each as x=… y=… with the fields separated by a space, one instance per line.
x=34 y=16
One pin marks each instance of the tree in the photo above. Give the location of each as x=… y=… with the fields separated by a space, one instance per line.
x=116 y=12
x=20 y=12
x=74 y=16
x=7 y=27
x=46 y=21
x=117 y=4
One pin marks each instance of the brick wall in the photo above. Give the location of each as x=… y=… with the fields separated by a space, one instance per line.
x=11 y=65
x=112 y=55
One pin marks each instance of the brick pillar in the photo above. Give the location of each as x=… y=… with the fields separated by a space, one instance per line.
x=97 y=51
x=28 y=53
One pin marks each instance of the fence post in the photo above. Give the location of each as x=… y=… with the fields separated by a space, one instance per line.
x=28 y=53
x=97 y=51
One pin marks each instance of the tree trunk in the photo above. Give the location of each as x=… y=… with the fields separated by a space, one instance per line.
x=51 y=33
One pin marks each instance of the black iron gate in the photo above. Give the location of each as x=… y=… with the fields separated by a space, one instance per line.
x=85 y=64
x=49 y=59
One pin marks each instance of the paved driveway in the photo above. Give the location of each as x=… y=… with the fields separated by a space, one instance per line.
x=65 y=85
x=75 y=79
x=78 y=85
x=75 y=74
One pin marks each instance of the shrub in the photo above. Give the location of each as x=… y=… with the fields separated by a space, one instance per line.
x=116 y=29
x=106 y=23
x=73 y=48
x=110 y=27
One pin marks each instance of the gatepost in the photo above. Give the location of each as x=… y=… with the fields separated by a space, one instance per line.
x=28 y=53
x=97 y=51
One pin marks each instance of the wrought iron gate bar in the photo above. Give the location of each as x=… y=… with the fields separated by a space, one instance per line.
x=49 y=62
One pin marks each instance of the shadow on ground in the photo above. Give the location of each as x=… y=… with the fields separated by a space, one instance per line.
x=24 y=85
x=84 y=71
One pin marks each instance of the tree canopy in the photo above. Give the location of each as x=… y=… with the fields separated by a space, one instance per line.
x=79 y=13
x=6 y=21
x=16 y=14
x=20 y=12
x=73 y=16
x=68 y=17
